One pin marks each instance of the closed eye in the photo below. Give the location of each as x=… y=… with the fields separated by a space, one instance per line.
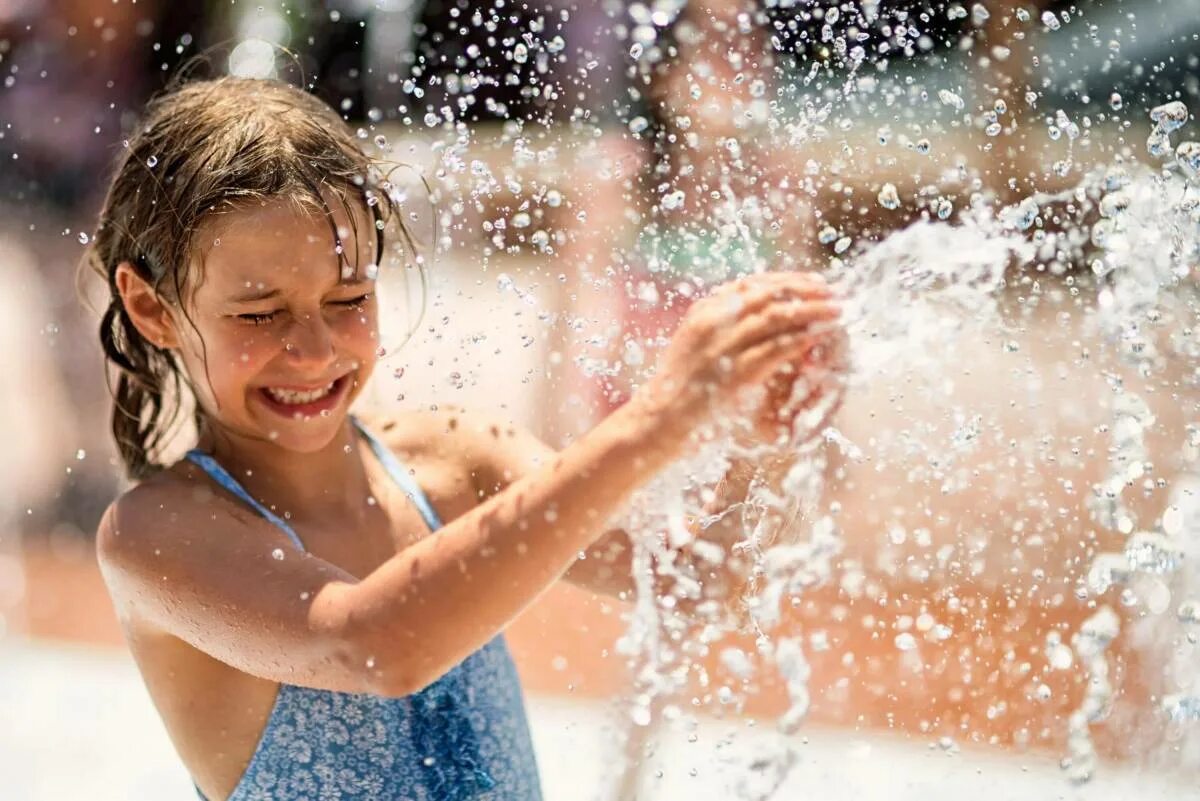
x=354 y=303
x=258 y=318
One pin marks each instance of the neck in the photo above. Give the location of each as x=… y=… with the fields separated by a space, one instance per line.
x=330 y=481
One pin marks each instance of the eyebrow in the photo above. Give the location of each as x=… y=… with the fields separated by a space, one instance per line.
x=261 y=294
x=270 y=294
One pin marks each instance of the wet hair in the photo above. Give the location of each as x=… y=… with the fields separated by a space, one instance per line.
x=203 y=148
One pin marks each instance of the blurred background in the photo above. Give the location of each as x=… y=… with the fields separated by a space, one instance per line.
x=581 y=170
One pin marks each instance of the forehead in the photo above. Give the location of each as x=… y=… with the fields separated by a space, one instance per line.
x=282 y=244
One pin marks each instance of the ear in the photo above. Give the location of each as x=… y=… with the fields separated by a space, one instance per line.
x=147 y=309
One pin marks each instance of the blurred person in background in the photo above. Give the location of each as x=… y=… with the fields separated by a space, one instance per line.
x=74 y=71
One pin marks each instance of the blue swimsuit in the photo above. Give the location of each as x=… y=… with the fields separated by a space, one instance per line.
x=463 y=737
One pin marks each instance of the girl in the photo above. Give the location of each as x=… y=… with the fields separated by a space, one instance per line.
x=301 y=633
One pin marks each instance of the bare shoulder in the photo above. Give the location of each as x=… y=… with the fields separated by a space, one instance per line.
x=493 y=448
x=171 y=529
x=131 y=522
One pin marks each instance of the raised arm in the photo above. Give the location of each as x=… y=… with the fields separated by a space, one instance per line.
x=301 y=620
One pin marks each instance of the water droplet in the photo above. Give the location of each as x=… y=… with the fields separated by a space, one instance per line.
x=1106 y=570
x=1182 y=708
x=949 y=98
x=905 y=641
x=1152 y=553
x=1114 y=204
x=152 y=162
x=1102 y=231
x=1023 y=215
x=1059 y=656
x=673 y=200
x=1187 y=155
x=888 y=198
x=1158 y=144
x=638 y=124
x=1189 y=611
x=83 y=238
x=1097 y=632
x=1050 y=20
x=635 y=50
x=1116 y=102
x=1169 y=116
x=277 y=554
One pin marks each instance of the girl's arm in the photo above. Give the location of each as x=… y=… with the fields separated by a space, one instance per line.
x=503 y=453
x=298 y=619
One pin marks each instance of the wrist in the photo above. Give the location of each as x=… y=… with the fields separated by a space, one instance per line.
x=651 y=418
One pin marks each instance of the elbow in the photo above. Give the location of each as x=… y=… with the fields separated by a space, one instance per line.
x=372 y=670
x=388 y=675
x=362 y=654
x=375 y=660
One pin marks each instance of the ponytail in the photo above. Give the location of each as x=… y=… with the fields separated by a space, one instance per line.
x=146 y=397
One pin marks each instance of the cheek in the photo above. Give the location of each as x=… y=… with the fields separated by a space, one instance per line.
x=358 y=334
x=228 y=359
x=245 y=352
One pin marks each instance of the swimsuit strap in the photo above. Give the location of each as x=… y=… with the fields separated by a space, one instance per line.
x=401 y=476
x=391 y=464
x=220 y=475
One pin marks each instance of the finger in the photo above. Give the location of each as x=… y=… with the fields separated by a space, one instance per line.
x=767 y=283
x=790 y=317
x=750 y=294
x=765 y=294
x=759 y=361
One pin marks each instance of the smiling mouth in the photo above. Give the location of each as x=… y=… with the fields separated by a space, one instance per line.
x=293 y=402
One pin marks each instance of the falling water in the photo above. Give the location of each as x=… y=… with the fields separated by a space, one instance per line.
x=975 y=260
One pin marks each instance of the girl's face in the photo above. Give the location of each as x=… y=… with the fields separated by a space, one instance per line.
x=285 y=330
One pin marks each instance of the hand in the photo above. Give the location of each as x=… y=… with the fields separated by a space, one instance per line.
x=803 y=395
x=733 y=339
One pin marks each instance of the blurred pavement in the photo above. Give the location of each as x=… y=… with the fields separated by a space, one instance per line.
x=81 y=726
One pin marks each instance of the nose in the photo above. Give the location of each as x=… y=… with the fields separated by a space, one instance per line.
x=309 y=343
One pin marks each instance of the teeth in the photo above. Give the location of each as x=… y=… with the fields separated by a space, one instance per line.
x=294 y=398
